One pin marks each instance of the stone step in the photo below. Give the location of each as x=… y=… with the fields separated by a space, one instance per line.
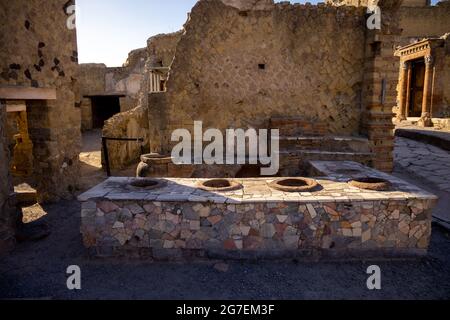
x=325 y=143
x=25 y=194
x=297 y=162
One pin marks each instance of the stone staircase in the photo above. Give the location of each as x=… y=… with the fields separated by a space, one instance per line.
x=25 y=194
x=303 y=141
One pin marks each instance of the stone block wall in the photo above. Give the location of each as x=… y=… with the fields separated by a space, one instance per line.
x=238 y=69
x=7 y=210
x=424 y=22
x=38 y=50
x=128 y=79
x=179 y=221
x=380 y=85
x=131 y=124
x=99 y=80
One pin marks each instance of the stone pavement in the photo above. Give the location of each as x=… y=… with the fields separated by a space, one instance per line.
x=425 y=161
x=37 y=270
x=433 y=136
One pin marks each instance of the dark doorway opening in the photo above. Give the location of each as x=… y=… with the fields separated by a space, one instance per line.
x=103 y=108
x=416 y=88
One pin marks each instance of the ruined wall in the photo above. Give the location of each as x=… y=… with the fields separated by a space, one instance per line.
x=7 y=213
x=424 y=22
x=127 y=78
x=380 y=83
x=134 y=123
x=441 y=99
x=238 y=69
x=160 y=53
x=446 y=81
x=38 y=50
x=131 y=124
x=405 y=3
x=91 y=78
x=99 y=80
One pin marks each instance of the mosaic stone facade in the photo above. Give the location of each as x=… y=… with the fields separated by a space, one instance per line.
x=180 y=221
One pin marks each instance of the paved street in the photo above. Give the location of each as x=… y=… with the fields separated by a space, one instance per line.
x=425 y=161
x=37 y=270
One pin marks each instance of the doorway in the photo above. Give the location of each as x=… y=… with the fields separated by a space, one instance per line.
x=416 y=88
x=103 y=108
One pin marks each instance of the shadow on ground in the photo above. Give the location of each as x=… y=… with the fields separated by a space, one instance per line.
x=38 y=270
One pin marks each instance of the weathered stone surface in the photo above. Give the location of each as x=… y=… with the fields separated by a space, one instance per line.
x=54 y=124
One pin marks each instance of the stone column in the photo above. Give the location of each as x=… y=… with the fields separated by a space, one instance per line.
x=425 y=119
x=404 y=75
x=408 y=90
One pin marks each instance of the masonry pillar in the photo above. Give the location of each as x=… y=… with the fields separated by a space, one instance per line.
x=8 y=216
x=425 y=119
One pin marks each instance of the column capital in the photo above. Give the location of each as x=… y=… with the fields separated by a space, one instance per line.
x=429 y=60
x=405 y=65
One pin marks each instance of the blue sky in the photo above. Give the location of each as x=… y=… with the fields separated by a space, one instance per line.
x=109 y=29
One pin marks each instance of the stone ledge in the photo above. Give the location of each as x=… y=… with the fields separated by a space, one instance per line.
x=27 y=93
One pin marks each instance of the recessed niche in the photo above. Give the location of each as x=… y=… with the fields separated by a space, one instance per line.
x=262 y=66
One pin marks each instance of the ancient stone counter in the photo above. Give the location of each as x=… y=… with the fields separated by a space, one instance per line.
x=181 y=221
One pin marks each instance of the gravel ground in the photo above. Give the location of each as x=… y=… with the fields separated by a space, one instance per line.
x=37 y=270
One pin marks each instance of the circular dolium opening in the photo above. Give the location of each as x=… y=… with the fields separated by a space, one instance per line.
x=219 y=185
x=147 y=183
x=371 y=183
x=294 y=184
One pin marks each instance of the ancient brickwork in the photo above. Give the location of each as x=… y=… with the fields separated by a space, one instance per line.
x=7 y=216
x=380 y=84
x=39 y=50
x=240 y=68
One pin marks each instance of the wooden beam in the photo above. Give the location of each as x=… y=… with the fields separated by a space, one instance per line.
x=27 y=93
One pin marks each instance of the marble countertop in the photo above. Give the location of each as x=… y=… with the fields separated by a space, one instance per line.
x=334 y=188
